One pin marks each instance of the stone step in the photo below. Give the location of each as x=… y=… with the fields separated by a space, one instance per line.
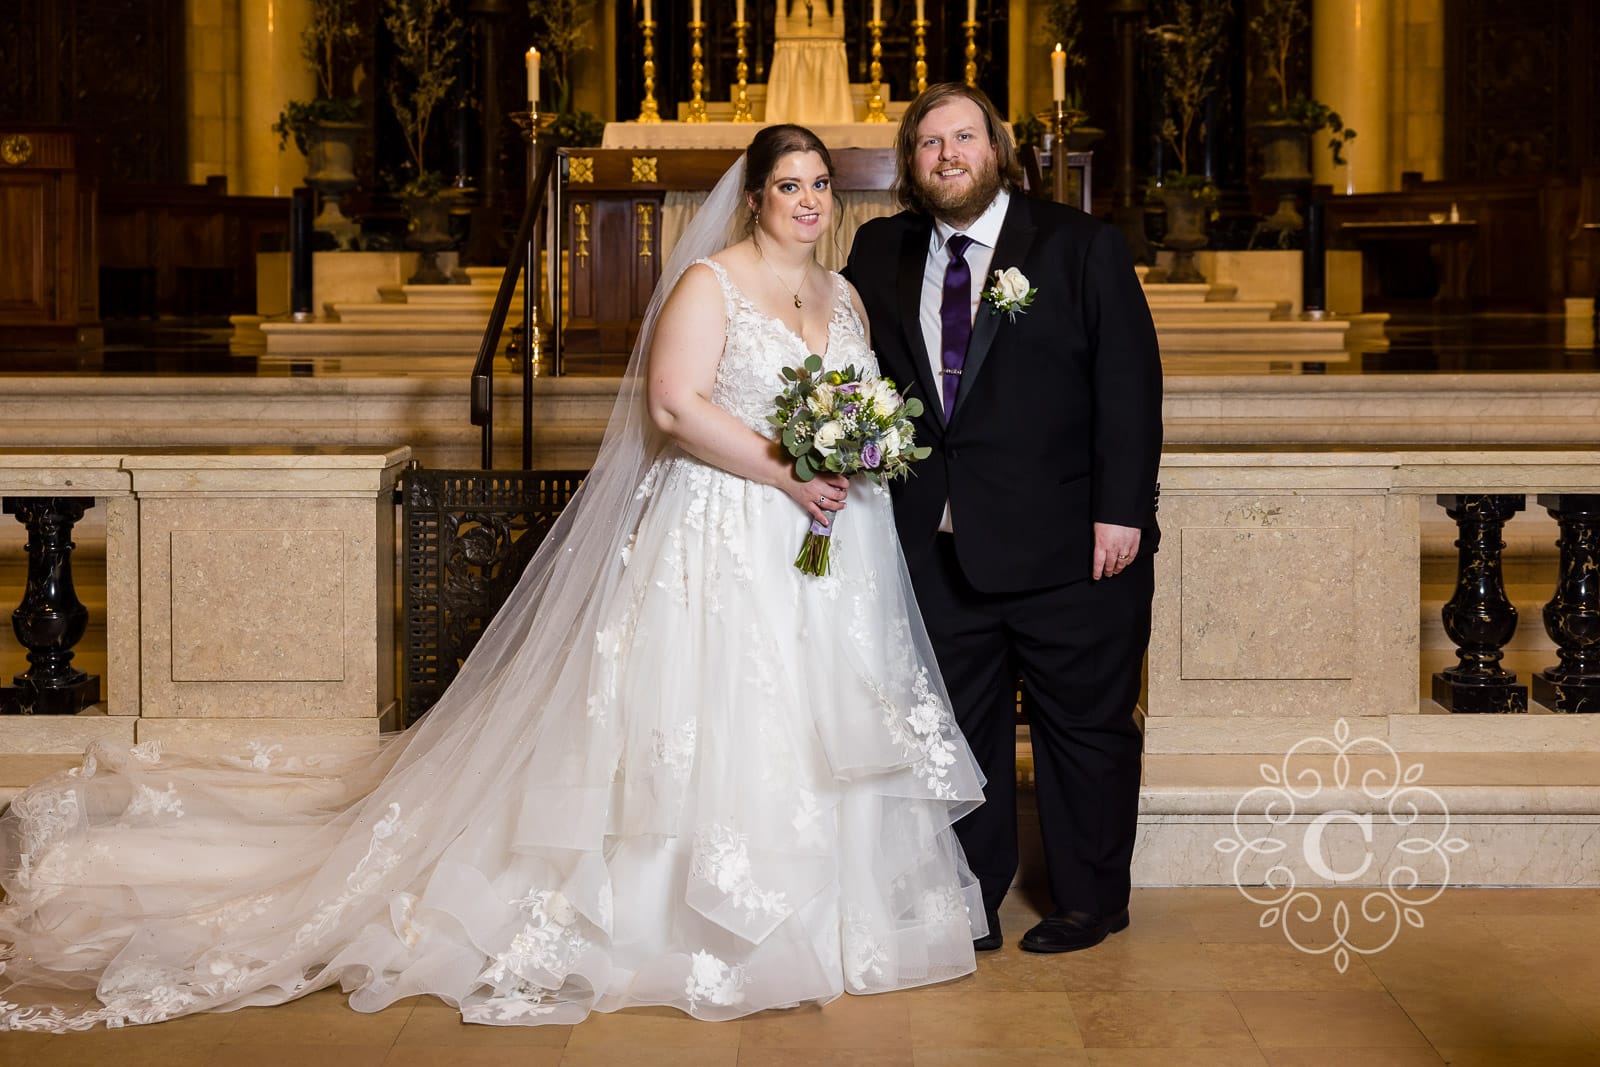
x=1218 y=312
x=1197 y=293
x=1286 y=339
x=452 y=317
x=441 y=296
x=388 y=338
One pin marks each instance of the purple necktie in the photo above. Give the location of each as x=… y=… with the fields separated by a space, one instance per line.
x=955 y=319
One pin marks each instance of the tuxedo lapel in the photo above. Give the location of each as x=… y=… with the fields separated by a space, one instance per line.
x=1016 y=238
x=908 y=303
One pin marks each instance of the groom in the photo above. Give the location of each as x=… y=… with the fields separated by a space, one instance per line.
x=1029 y=531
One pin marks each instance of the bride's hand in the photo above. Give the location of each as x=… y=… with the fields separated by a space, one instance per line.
x=821 y=496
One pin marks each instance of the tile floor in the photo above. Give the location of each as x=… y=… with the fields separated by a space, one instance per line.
x=1494 y=978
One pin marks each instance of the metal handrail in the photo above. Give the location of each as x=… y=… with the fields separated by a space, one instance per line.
x=524 y=261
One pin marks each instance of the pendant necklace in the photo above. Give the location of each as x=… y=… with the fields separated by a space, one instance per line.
x=791 y=290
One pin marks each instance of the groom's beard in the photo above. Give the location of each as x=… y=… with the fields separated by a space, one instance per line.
x=959 y=207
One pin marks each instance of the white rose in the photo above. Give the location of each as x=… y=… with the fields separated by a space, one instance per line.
x=882 y=396
x=1012 y=284
x=891 y=443
x=827 y=436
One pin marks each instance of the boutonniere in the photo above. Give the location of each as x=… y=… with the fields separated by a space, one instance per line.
x=1010 y=292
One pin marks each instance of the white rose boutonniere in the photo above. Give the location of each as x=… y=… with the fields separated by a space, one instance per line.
x=1010 y=292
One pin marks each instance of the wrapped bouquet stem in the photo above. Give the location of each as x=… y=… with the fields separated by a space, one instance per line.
x=845 y=422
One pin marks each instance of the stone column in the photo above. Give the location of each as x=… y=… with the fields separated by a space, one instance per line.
x=1416 y=136
x=1350 y=73
x=213 y=83
x=271 y=74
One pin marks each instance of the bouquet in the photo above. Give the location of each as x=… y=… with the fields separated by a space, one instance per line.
x=843 y=422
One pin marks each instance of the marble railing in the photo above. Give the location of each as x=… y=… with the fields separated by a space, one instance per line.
x=1289 y=734
x=248 y=591
x=1287 y=598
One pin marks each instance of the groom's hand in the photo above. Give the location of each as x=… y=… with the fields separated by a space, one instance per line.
x=1115 y=548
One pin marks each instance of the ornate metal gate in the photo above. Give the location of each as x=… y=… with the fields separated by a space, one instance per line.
x=468 y=536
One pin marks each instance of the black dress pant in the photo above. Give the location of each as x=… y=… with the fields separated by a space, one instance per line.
x=1079 y=649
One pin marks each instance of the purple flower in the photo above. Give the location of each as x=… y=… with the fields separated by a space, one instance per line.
x=851 y=408
x=871 y=455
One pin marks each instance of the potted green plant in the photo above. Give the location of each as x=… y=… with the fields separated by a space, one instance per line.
x=426 y=34
x=1292 y=120
x=1189 y=43
x=325 y=127
x=561 y=31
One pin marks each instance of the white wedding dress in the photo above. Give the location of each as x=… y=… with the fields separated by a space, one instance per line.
x=717 y=784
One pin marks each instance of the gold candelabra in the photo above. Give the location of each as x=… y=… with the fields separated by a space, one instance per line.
x=875 y=112
x=697 y=74
x=972 y=53
x=741 y=95
x=920 y=52
x=647 y=108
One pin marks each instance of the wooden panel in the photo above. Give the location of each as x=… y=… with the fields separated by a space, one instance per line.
x=183 y=249
x=111 y=69
x=27 y=227
x=1522 y=93
x=1519 y=256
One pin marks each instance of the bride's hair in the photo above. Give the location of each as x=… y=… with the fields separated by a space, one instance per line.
x=769 y=145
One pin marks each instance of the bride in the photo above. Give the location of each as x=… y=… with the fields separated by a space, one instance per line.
x=675 y=771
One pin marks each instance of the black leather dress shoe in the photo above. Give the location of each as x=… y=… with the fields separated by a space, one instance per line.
x=1069 y=931
x=991 y=940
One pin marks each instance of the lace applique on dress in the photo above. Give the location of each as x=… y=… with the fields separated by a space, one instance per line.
x=722 y=859
x=710 y=979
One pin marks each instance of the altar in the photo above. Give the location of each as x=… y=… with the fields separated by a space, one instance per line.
x=808 y=83
x=737 y=135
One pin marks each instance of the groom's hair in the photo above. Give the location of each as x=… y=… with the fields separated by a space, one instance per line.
x=1007 y=164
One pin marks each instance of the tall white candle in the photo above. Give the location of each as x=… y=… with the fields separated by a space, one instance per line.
x=695 y=17
x=922 y=16
x=877 y=10
x=647 y=17
x=738 y=11
x=533 y=79
x=1058 y=74
x=972 y=10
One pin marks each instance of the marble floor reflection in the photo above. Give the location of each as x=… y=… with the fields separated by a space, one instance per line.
x=1493 y=978
x=1416 y=344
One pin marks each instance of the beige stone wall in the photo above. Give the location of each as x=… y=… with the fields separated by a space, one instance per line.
x=213 y=84
x=1417 y=77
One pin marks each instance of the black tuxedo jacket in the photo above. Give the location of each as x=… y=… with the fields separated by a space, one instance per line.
x=1057 y=423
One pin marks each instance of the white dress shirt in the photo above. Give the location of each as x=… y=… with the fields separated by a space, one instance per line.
x=985 y=234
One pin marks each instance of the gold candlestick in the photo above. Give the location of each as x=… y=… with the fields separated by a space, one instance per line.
x=741 y=97
x=972 y=53
x=697 y=73
x=647 y=107
x=875 y=112
x=1058 y=152
x=920 y=52
x=531 y=333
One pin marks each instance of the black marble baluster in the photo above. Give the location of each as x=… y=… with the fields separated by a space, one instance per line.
x=50 y=620
x=1478 y=617
x=1572 y=618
